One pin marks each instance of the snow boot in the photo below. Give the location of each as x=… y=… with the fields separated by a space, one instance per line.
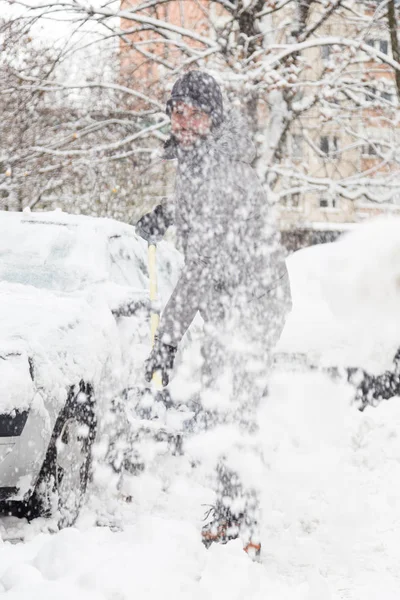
x=224 y=527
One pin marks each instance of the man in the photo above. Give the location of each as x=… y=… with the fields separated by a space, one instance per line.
x=234 y=275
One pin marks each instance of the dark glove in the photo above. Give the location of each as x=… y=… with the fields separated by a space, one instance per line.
x=152 y=226
x=161 y=359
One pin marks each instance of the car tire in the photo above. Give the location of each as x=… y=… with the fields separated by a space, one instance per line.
x=63 y=479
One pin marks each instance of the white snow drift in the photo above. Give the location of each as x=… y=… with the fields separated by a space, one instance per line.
x=331 y=481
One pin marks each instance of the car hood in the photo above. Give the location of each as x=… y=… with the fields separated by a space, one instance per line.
x=29 y=312
x=67 y=337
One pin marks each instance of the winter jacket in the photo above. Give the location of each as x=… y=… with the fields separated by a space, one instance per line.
x=224 y=228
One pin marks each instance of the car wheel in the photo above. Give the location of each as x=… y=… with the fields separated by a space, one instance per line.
x=65 y=473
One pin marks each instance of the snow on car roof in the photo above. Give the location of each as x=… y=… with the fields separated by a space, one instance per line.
x=81 y=244
x=107 y=226
x=57 y=250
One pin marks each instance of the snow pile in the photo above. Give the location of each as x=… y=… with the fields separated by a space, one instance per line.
x=346 y=296
x=329 y=478
x=330 y=525
x=332 y=479
x=366 y=266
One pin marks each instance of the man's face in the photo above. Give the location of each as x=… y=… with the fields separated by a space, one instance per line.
x=188 y=123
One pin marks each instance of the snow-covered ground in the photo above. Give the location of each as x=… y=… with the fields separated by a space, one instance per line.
x=330 y=488
x=331 y=521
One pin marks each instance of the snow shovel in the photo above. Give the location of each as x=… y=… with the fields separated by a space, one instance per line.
x=155 y=393
x=145 y=413
x=152 y=412
x=154 y=315
x=160 y=393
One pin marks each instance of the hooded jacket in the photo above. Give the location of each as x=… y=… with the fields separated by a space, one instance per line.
x=224 y=227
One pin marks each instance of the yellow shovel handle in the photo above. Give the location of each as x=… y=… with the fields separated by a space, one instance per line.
x=154 y=317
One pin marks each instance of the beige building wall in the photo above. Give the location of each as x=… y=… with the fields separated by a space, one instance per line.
x=325 y=147
x=146 y=56
x=334 y=146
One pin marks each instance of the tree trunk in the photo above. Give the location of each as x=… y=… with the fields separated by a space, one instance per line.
x=394 y=40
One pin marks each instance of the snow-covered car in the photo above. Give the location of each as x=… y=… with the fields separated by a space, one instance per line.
x=73 y=334
x=346 y=296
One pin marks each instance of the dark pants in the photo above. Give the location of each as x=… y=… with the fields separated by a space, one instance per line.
x=236 y=355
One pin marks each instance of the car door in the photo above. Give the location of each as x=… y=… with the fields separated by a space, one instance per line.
x=129 y=273
x=129 y=280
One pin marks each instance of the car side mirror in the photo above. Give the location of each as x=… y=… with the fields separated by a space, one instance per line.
x=126 y=302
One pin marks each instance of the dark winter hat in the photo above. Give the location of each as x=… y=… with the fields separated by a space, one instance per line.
x=201 y=90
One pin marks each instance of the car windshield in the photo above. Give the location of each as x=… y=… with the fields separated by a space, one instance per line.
x=45 y=255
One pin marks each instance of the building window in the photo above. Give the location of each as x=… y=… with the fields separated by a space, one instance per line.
x=293 y=200
x=327 y=203
x=381 y=45
x=378 y=141
x=384 y=46
x=328 y=144
x=370 y=93
x=297 y=146
x=324 y=144
x=326 y=52
x=369 y=150
x=387 y=96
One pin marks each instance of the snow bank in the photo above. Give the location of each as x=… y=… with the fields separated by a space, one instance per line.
x=330 y=522
x=330 y=482
x=363 y=274
x=346 y=296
